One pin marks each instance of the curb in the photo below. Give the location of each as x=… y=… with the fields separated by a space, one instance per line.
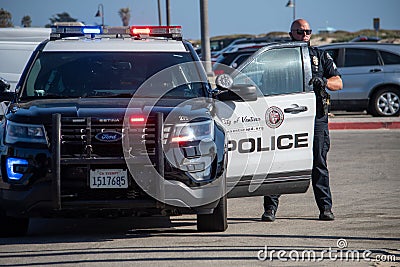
x=364 y=125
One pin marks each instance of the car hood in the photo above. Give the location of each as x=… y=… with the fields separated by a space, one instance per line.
x=40 y=111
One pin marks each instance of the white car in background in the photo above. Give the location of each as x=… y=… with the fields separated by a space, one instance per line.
x=16 y=47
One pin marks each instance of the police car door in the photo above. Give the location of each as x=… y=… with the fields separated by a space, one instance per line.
x=270 y=139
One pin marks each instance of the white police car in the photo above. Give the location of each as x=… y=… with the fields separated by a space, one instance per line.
x=121 y=121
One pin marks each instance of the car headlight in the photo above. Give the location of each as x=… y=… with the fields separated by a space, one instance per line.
x=194 y=158
x=193 y=131
x=28 y=133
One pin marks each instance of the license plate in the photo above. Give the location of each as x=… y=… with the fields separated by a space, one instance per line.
x=108 y=178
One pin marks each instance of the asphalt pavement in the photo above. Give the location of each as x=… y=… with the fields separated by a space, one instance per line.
x=365 y=187
x=341 y=120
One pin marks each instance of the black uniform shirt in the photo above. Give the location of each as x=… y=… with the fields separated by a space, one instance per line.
x=322 y=66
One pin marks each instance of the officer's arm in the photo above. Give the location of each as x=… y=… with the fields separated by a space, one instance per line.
x=334 y=83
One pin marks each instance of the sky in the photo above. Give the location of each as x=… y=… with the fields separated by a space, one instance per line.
x=224 y=16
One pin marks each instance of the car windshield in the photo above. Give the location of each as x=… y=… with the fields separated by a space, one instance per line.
x=110 y=74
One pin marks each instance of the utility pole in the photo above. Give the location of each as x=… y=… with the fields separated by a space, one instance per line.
x=159 y=13
x=205 y=37
x=168 y=12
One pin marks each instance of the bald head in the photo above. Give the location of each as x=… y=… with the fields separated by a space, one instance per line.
x=298 y=23
x=300 y=30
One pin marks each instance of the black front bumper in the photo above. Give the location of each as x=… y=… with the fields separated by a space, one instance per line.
x=62 y=187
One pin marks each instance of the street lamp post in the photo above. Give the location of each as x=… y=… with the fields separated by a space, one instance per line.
x=100 y=13
x=292 y=4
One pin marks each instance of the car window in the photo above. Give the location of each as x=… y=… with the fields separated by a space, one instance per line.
x=277 y=71
x=82 y=74
x=360 y=57
x=390 y=58
x=334 y=53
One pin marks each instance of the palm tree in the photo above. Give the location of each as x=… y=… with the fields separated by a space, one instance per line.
x=125 y=14
x=26 y=21
x=5 y=19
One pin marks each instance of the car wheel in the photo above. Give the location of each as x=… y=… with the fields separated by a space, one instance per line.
x=385 y=102
x=215 y=222
x=11 y=226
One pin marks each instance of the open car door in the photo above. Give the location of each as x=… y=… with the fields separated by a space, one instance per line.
x=270 y=139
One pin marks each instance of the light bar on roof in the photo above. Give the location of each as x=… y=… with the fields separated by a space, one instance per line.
x=157 y=31
x=76 y=29
x=61 y=30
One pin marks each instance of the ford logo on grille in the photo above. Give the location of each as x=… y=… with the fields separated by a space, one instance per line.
x=109 y=136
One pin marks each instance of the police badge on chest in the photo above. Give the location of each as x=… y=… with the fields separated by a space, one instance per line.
x=315 y=64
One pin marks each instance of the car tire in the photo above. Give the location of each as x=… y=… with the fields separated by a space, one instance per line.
x=12 y=226
x=385 y=102
x=215 y=222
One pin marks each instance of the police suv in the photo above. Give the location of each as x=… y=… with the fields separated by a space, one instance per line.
x=122 y=121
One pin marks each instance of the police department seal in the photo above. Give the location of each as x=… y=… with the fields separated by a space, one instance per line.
x=274 y=117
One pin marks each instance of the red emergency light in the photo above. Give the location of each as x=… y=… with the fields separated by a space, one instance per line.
x=136 y=119
x=138 y=31
x=157 y=31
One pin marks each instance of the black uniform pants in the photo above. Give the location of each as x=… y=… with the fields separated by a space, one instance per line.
x=320 y=174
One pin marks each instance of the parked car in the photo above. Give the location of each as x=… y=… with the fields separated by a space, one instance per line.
x=245 y=42
x=371 y=77
x=16 y=46
x=231 y=60
x=363 y=38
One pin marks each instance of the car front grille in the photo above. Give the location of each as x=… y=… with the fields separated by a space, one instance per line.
x=78 y=137
x=81 y=150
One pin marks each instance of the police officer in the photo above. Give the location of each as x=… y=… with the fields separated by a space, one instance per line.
x=324 y=75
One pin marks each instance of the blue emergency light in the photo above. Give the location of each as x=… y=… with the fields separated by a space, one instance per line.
x=61 y=30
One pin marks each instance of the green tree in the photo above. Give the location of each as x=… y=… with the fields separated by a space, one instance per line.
x=60 y=17
x=125 y=14
x=26 y=21
x=5 y=19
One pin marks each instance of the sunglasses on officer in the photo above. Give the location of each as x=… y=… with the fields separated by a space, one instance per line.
x=301 y=31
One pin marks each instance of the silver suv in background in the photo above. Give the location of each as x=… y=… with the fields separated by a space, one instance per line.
x=371 y=77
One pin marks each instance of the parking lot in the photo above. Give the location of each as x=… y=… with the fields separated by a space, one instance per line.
x=365 y=186
x=97 y=123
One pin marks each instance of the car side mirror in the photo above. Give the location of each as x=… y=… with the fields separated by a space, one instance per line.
x=227 y=91
x=5 y=95
x=244 y=92
x=4 y=85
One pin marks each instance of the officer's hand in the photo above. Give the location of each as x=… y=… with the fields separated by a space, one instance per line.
x=318 y=83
